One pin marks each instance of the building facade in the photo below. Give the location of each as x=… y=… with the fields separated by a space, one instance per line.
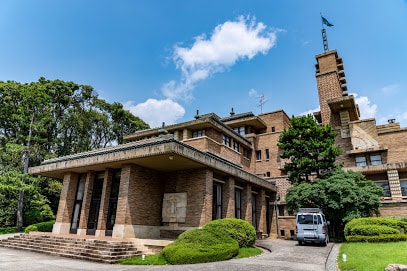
x=170 y=179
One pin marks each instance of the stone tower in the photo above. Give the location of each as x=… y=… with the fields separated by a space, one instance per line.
x=337 y=108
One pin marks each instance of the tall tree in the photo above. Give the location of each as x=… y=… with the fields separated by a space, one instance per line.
x=67 y=118
x=309 y=148
x=341 y=195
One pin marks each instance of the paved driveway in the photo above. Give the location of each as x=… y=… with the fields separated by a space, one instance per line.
x=285 y=255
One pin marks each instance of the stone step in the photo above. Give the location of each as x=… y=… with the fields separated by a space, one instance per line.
x=78 y=248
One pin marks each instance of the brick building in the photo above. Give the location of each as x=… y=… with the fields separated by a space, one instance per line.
x=181 y=176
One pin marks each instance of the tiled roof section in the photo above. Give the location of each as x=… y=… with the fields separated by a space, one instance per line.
x=237 y=116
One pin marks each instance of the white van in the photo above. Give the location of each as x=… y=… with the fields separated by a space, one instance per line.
x=311 y=226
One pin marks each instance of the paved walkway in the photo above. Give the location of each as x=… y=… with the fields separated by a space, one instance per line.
x=285 y=255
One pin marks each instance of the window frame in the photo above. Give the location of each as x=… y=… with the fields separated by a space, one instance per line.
x=258 y=155
x=198 y=133
x=376 y=161
x=360 y=163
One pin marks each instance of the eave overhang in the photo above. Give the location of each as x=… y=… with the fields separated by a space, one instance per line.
x=163 y=154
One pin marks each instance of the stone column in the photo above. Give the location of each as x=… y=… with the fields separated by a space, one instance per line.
x=261 y=211
x=394 y=183
x=124 y=225
x=87 y=196
x=66 y=203
x=104 y=203
x=247 y=203
x=228 y=200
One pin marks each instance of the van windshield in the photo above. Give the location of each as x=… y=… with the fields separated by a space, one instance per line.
x=309 y=219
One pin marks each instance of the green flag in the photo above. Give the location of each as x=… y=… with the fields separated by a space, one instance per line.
x=325 y=21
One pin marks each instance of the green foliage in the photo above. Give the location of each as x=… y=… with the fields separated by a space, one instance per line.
x=375 y=229
x=380 y=221
x=8 y=230
x=341 y=195
x=31 y=228
x=240 y=230
x=394 y=237
x=42 y=227
x=370 y=230
x=309 y=148
x=64 y=118
x=200 y=246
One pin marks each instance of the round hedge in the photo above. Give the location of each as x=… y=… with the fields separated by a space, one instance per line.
x=240 y=230
x=201 y=246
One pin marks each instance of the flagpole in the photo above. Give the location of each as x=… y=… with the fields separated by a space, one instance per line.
x=324 y=36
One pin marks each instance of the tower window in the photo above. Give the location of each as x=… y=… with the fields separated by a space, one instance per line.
x=360 y=161
x=375 y=159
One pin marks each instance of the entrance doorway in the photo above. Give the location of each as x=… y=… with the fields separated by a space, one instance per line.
x=95 y=204
x=78 y=204
x=114 y=195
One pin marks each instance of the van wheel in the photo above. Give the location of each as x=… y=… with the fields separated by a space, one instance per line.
x=300 y=243
x=326 y=241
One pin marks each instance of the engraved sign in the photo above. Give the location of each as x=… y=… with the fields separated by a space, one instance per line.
x=174 y=207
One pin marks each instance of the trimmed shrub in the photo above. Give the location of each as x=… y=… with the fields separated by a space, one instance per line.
x=370 y=230
x=42 y=227
x=30 y=228
x=201 y=246
x=375 y=229
x=377 y=238
x=389 y=222
x=240 y=230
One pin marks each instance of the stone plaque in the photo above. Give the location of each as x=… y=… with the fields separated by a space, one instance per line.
x=174 y=207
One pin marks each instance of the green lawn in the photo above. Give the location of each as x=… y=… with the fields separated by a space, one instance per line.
x=158 y=259
x=371 y=256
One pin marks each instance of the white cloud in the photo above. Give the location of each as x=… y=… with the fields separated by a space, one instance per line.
x=253 y=93
x=229 y=42
x=155 y=112
x=311 y=111
x=367 y=110
x=390 y=89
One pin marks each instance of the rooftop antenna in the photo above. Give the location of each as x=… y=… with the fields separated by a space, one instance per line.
x=324 y=36
x=262 y=101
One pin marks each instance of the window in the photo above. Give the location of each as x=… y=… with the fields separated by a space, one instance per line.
x=360 y=161
x=258 y=155
x=238 y=203
x=273 y=129
x=268 y=174
x=386 y=188
x=240 y=130
x=217 y=201
x=227 y=141
x=403 y=185
x=281 y=210
x=254 y=213
x=267 y=154
x=236 y=146
x=375 y=159
x=246 y=153
x=198 y=133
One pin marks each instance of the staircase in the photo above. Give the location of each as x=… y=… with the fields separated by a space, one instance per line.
x=97 y=250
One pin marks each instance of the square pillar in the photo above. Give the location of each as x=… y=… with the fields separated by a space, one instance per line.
x=124 y=215
x=66 y=204
x=261 y=211
x=247 y=203
x=228 y=199
x=87 y=196
x=104 y=203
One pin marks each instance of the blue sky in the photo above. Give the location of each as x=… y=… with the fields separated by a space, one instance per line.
x=166 y=59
